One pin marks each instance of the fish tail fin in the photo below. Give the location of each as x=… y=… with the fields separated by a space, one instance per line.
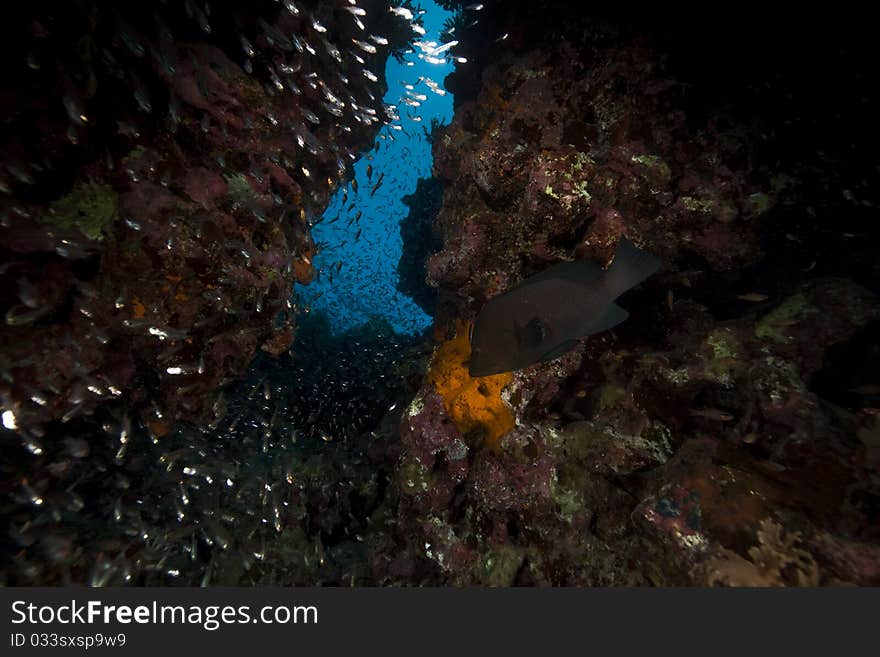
x=630 y=267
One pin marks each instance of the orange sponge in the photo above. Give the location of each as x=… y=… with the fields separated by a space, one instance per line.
x=474 y=404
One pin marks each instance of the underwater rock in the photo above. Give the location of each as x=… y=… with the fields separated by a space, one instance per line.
x=416 y=232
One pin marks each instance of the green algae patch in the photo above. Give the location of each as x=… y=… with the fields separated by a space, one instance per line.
x=724 y=355
x=788 y=313
x=611 y=396
x=250 y=90
x=568 y=500
x=695 y=204
x=723 y=345
x=580 y=189
x=414 y=477
x=240 y=189
x=90 y=207
x=648 y=160
x=134 y=156
x=659 y=169
x=500 y=565
x=758 y=203
x=576 y=164
x=580 y=160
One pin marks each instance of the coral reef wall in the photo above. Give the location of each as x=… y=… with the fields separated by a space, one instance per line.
x=691 y=445
x=165 y=162
x=163 y=166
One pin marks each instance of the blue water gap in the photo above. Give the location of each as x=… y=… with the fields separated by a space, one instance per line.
x=365 y=286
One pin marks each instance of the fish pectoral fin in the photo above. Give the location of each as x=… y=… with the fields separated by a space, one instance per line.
x=612 y=316
x=532 y=334
x=559 y=350
x=539 y=329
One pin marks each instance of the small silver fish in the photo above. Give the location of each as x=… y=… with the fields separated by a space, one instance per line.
x=711 y=414
x=366 y=47
x=754 y=297
x=403 y=12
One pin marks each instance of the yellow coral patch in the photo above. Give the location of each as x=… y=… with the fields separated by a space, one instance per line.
x=472 y=403
x=158 y=428
x=138 y=308
x=303 y=271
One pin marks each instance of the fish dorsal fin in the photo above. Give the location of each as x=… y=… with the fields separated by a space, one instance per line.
x=582 y=272
x=630 y=267
x=559 y=350
x=612 y=316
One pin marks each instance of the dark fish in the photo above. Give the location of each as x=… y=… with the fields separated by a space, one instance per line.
x=543 y=317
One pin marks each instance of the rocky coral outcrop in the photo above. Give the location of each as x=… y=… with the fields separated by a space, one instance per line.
x=691 y=445
x=417 y=235
x=655 y=466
